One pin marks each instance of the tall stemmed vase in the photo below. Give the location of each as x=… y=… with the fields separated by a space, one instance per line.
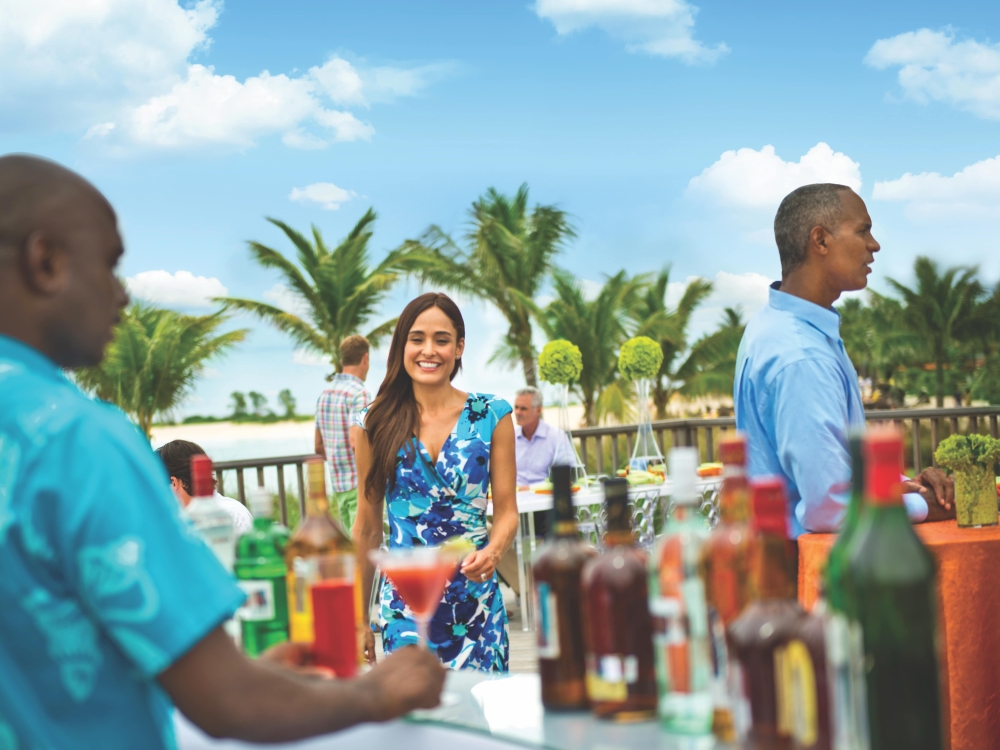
x=560 y=363
x=566 y=452
x=646 y=455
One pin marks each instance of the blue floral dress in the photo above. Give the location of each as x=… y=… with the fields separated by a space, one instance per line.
x=432 y=502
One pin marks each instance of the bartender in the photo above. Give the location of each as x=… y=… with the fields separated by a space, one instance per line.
x=112 y=605
x=796 y=390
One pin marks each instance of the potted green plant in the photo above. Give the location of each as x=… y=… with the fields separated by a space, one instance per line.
x=972 y=459
x=560 y=363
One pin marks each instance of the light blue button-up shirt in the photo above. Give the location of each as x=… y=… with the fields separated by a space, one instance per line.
x=797 y=399
x=103 y=584
x=535 y=457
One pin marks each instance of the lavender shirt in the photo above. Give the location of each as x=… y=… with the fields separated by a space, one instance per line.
x=535 y=456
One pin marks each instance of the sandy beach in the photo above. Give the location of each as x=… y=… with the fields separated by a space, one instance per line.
x=229 y=441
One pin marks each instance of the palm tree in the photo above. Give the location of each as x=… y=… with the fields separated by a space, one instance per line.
x=239 y=403
x=940 y=311
x=670 y=328
x=154 y=359
x=337 y=288
x=599 y=326
x=710 y=368
x=259 y=403
x=287 y=401
x=508 y=254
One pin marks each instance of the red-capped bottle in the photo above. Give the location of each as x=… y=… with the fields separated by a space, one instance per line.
x=208 y=515
x=759 y=636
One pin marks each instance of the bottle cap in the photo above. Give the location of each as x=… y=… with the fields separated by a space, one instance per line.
x=202 y=481
x=316 y=476
x=261 y=503
x=562 y=493
x=884 y=466
x=770 y=508
x=684 y=475
x=733 y=449
x=616 y=504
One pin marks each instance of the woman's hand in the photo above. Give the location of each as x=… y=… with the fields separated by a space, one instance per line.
x=479 y=566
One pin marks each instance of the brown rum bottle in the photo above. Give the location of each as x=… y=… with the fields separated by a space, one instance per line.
x=758 y=636
x=559 y=609
x=617 y=625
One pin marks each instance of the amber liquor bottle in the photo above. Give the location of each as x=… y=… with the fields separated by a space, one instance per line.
x=758 y=636
x=617 y=625
x=725 y=569
x=559 y=619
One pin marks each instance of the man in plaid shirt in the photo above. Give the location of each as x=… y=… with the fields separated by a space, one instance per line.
x=335 y=429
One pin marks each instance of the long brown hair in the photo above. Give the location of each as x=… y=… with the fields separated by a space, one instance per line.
x=394 y=417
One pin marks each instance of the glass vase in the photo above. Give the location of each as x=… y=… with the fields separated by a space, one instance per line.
x=976 y=497
x=566 y=450
x=646 y=455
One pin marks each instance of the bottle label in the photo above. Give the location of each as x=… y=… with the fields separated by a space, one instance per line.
x=548 y=621
x=795 y=685
x=259 y=605
x=609 y=676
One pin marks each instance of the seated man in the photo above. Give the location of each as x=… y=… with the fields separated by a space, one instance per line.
x=176 y=457
x=535 y=441
x=796 y=391
x=112 y=606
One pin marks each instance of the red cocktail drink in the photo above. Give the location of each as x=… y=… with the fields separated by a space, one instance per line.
x=422 y=587
x=335 y=633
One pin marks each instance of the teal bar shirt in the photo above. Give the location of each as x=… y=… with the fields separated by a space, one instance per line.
x=797 y=399
x=103 y=584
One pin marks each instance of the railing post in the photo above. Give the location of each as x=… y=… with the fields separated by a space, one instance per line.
x=659 y=441
x=935 y=438
x=302 y=489
x=993 y=425
x=709 y=445
x=614 y=454
x=954 y=425
x=260 y=476
x=915 y=436
x=630 y=441
x=241 y=493
x=281 y=494
x=600 y=453
x=220 y=484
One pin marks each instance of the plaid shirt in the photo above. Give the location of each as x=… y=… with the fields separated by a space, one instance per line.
x=336 y=410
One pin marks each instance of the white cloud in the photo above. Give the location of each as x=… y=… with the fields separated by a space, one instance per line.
x=657 y=27
x=181 y=289
x=283 y=297
x=328 y=195
x=310 y=359
x=121 y=72
x=933 y=66
x=758 y=180
x=72 y=62
x=746 y=291
x=973 y=192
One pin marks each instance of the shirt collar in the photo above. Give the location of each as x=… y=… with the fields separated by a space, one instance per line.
x=348 y=376
x=30 y=357
x=826 y=320
x=542 y=431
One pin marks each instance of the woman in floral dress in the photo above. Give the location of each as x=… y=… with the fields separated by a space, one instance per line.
x=429 y=452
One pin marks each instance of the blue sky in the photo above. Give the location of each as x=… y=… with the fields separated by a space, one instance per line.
x=668 y=129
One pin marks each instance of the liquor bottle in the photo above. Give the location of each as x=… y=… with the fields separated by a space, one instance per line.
x=891 y=593
x=681 y=636
x=837 y=562
x=758 y=636
x=208 y=516
x=617 y=626
x=559 y=619
x=318 y=536
x=260 y=572
x=725 y=568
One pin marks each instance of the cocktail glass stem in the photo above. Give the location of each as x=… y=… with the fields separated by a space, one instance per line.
x=422 y=631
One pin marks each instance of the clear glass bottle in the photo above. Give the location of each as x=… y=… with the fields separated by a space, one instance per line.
x=891 y=593
x=559 y=610
x=757 y=637
x=677 y=602
x=208 y=516
x=261 y=573
x=617 y=626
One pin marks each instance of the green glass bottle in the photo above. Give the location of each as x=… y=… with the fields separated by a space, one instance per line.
x=261 y=572
x=891 y=594
x=836 y=563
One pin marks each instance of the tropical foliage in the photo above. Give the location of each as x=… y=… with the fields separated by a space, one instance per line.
x=506 y=258
x=154 y=360
x=336 y=291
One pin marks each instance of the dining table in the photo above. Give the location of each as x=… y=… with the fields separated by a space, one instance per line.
x=968 y=623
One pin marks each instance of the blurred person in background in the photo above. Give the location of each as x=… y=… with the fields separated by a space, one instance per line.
x=336 y=425
x=112 y=607
x=176 y=458
x=428 y=454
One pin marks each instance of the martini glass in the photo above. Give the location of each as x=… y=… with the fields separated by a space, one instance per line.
x=420 y=576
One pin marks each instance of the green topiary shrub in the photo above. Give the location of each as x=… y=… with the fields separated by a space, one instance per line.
x=640 y=358
x=560 y=362
x=973 y=459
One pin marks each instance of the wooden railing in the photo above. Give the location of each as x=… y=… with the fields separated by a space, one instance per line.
x=605 y=449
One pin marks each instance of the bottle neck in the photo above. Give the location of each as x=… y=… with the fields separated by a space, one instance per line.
x=317 y=505
x=565 y=530
x=619 y=538
x=734 y=496
x=262 y=522
x=775 y=573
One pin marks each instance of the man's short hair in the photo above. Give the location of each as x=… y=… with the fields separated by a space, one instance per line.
x=536 y=395
x=800 y=212
x=176 y=456
x=353 y=349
